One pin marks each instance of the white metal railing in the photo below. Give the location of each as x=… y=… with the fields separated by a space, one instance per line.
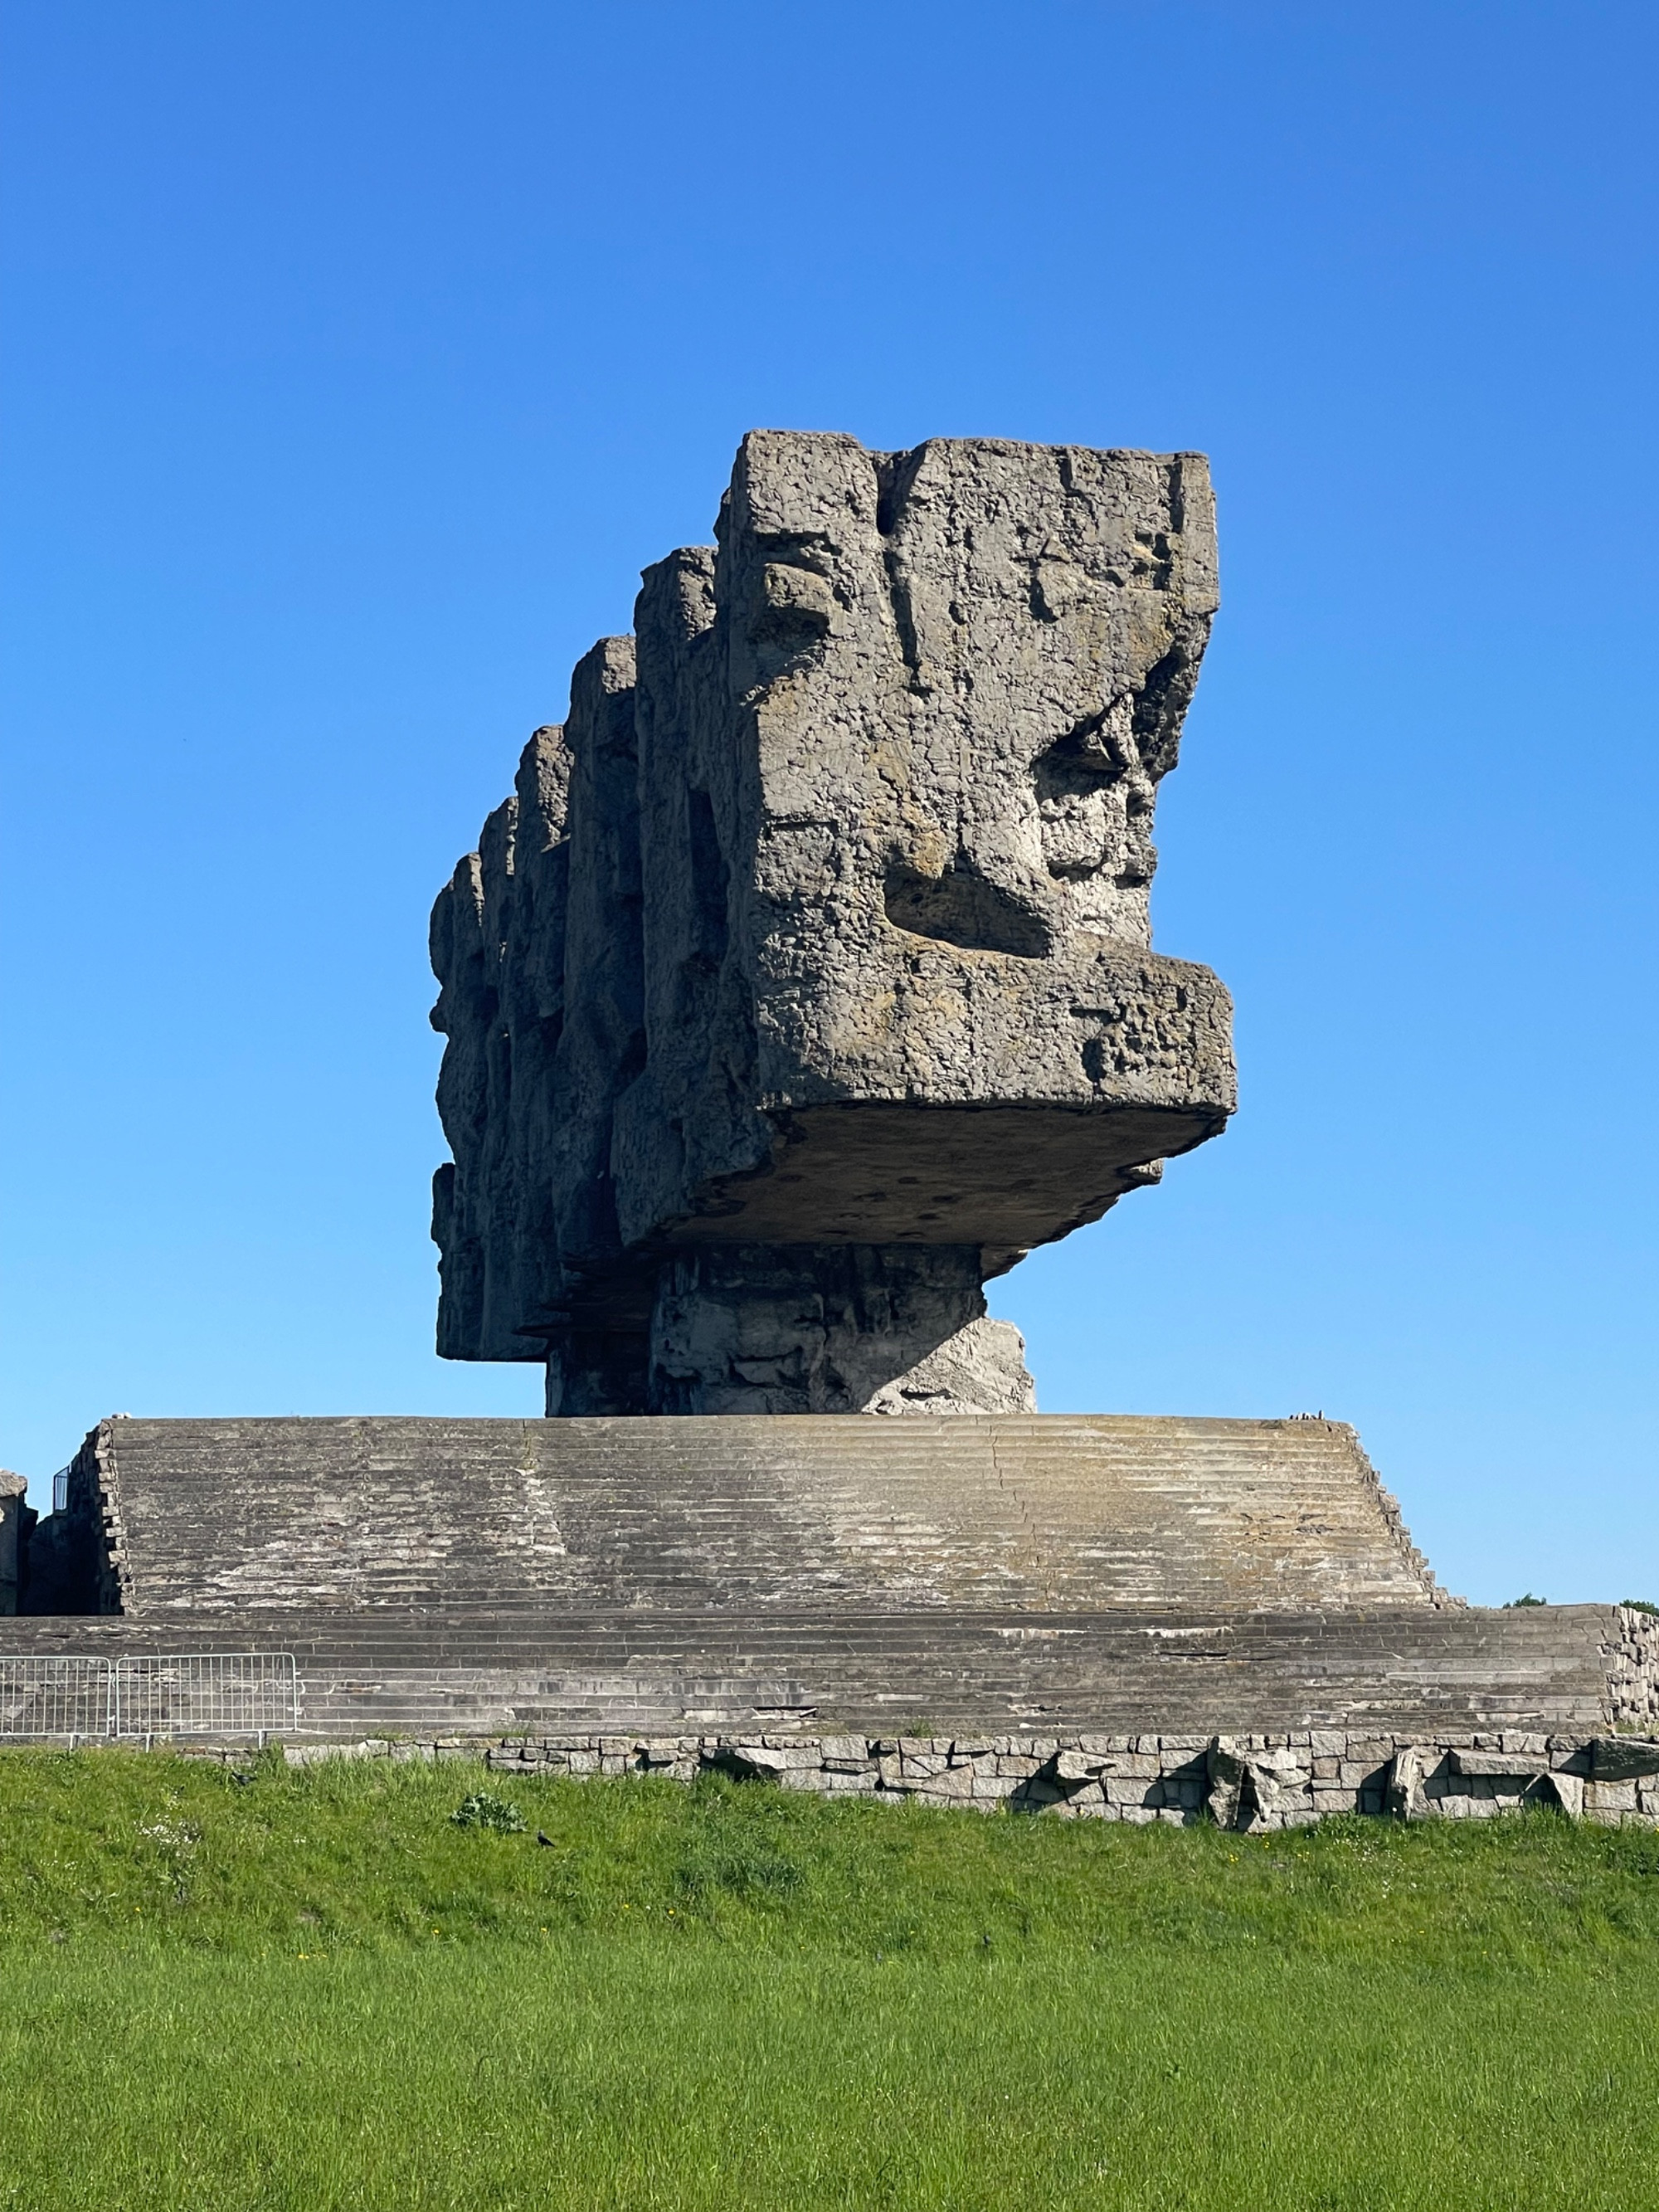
x=54 y=1697
x=208 y=1694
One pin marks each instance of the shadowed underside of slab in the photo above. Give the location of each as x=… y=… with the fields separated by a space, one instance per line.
x=1038 y=1514
x=905 y=1173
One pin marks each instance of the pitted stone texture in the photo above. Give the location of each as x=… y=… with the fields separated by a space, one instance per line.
x=980 y=1370
x=1634 y=1664
x=823 y=923
x=927 y=713
x=783 y=1328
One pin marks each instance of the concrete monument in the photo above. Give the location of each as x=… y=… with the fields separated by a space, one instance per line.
x=805 y=980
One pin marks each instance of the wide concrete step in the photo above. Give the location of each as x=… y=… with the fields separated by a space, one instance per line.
x=1402 y=1668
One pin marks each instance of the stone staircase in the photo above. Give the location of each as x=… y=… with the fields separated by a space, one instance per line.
x=1010 y=1573
x=1035 y=1513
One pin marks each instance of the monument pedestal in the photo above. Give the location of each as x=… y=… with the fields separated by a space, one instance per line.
x=977 y=1610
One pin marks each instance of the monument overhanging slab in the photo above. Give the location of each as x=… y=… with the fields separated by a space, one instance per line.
x=820 y=930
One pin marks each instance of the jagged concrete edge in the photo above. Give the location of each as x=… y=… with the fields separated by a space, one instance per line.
x=1394 y=1522
x=97 y=1466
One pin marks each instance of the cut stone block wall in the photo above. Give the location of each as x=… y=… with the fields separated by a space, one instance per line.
x=1252 y=1784
x=1633 y=1672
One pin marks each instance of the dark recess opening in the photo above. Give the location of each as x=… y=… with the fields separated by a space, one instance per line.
x=709 y=878
x=959 y=907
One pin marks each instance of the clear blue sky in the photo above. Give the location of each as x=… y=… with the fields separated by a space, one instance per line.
x=358 y=356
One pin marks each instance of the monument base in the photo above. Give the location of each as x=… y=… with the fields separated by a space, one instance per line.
x=967 y=1600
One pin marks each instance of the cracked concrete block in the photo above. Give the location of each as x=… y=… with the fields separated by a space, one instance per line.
x=753 y=1761
x=924 y=1765
x=1076 y=1766
x=1406 y=1791
x=1252 y=1785
x=950 y=1784
x=1566 y=1791
x=1622 y=1758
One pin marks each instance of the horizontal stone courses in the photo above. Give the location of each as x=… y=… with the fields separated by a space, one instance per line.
x=1540 y=1668
x=1168 y=1634
x=1059 y=1513
x=1007 y=1573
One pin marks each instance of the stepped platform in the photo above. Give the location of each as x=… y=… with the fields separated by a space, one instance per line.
x=1036 y=1514
x=1012 y=1573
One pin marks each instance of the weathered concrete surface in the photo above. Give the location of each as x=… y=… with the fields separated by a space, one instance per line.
x=791 y=1328
x=980 y=1370
x=1415 y=1673
x=821 y=928
x=12 y=1510
x=1037 y=1513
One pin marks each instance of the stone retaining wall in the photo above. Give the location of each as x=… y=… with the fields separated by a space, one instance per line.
x=1248 y=1783
x=1633 y=1665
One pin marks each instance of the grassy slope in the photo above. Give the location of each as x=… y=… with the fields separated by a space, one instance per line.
x=312 y=1991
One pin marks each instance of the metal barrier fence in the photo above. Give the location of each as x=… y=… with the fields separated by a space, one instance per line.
x=211 y=1694
x=54 y=1697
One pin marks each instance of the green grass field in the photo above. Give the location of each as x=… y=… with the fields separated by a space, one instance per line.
x=312 y=1991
